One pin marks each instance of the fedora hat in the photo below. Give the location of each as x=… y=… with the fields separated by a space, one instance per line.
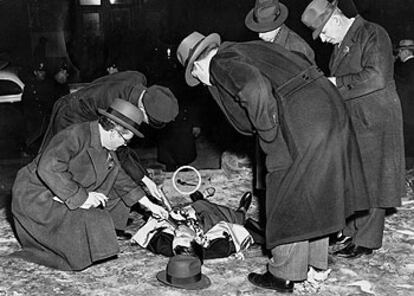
x=267 y=15
x=317 y=14
x=160 y=105
x=189 y=50
x=125 y=114
x=184 y=272
x=405 y=44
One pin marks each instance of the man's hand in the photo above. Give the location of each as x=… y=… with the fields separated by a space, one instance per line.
x=152 y=188
x=157 y=211
x=94 y=200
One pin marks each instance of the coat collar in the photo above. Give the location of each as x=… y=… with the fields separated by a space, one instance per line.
x=341 y=51
x=281 y=36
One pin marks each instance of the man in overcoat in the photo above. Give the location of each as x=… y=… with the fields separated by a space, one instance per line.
x=68 y=202
x=157 y=103
x=361 y=67
x=267 y=18
x=303 y=128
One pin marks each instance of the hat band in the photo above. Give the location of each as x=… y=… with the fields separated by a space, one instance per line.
x=123 y=117
x=191 y=51
x=184 y=281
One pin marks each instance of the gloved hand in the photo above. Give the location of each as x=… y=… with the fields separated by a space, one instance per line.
x=152 y=188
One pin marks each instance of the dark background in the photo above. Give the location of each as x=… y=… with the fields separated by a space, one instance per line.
x=138 y=34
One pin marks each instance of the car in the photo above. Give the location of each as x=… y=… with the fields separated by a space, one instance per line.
x=11 y=87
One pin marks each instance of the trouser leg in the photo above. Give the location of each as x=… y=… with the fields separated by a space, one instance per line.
x=291 y=261
x=367 y=228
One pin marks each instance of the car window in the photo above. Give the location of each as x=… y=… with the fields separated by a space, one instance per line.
x=8 y=87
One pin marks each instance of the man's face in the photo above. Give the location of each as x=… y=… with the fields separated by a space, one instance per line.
x=40 y=74
x=331 y=32
x=201 y=71
x=117 y=139
x=268 y=36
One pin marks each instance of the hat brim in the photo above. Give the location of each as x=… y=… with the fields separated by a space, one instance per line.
x=123 y=123
x=260 y=27
x=318 y=30
x=201 y=284
x=210 y=39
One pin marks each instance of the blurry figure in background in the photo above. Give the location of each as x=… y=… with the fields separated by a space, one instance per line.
x=111 y=69
x=404 y=79
x=70 y=202
x=267 y=18
x=61 y=81
x=157 y=103
x=361 y=67
x=38 y=99
x=177 y=140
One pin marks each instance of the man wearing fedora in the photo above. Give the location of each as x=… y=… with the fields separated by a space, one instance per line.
x=303 y=128
x=361 y=67
x=68 y=202
x=267 y=18
x=157 y=104
x=404 y=79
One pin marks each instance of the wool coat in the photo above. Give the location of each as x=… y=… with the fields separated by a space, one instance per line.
x=304 y=131
x=404 y=79
x=82 y=105
x=293 y=42
x=47 y=194
x=363 y=67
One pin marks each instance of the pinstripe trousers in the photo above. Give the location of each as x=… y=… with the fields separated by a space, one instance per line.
x=291 y=261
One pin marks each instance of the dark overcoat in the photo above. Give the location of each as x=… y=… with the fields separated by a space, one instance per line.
x=293 y=42
x=82 y=105
x=60 y=234
x=404 y=79
x=363 y=66
x=303 y=128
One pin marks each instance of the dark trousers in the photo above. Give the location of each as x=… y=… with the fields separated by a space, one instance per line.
x=366 y=228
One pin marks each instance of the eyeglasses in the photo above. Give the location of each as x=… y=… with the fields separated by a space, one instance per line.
x=126 y=141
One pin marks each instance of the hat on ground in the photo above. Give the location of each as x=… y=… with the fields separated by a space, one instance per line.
x=267 y=15
x=160 y=105
x=190 y=49
x=125 y=114
x=317 y=14
x=406 y=44
x=184 y=272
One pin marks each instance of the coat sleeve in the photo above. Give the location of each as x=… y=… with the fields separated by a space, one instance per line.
x=252 y=91
x=126 y=189
x=372 y=76
x=53 y=170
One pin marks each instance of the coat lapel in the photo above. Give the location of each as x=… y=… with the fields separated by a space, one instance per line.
x=340 y=53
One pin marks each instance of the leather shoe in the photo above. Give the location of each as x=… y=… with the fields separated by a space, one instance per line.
x=271 y=282
x=245 y=202
x=352 y=251
x=122 y=235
